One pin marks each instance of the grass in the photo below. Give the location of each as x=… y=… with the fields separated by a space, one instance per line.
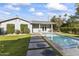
x=69 y=35
x=16 y=45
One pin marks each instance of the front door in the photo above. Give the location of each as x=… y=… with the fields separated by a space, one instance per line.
x=44 y=28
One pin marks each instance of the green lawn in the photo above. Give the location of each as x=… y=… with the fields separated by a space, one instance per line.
x=69 y=35
x=16 y=45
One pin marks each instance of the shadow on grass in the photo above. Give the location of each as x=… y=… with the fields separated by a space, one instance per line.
x=14 y=47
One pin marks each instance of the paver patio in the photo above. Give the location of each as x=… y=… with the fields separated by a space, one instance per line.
x=39 y=47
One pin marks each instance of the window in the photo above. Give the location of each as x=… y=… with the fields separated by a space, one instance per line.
x=35 y=25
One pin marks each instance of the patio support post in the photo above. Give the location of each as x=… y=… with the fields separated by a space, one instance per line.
x=52 y=27
x=39 y=27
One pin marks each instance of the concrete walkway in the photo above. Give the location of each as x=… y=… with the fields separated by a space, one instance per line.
x=38 y=47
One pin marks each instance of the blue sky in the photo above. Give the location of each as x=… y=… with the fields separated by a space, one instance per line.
x=35 y=11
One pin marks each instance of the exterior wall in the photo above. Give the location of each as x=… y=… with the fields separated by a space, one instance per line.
x=33 y=27
x=17 y=23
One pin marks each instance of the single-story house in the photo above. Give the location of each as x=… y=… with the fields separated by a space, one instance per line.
x=34 y=26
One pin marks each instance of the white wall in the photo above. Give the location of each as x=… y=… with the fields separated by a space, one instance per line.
x=35 y=30
x=17 y=23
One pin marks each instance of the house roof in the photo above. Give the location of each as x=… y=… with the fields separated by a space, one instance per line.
x=14 y=19
x=42 y=22
x=32 y=22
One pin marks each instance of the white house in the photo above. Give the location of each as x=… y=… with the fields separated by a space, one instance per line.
x=34 y=26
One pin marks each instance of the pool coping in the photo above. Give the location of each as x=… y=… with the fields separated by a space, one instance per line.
x=52 y=45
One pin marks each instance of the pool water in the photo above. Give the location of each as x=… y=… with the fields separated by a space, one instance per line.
x=62 y=41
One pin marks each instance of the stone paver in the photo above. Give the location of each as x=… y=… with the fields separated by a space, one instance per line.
x=36 y=40
x=71 y=52
x=41 y=52
x=38 y=47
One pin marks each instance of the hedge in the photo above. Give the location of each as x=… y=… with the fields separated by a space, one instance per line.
x=24 y=28
x=0 y=30
x=72 y=27
x=74 y=30
x=10 y=28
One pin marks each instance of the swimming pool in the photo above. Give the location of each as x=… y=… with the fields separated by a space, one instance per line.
x=62 y=41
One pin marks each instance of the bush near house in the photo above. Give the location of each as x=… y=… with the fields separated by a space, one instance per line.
x=24 y=28
x=0 y=31
x=17 y=31
x=10 y=28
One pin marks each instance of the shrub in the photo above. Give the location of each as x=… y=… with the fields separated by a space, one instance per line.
x=17 y=31
x=72 y=27
x=0 y=31
x=10 y=28
x=24 y=28
x=73 y=30
x=27 y=30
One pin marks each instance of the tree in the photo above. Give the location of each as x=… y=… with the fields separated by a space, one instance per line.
x=58 y=22
x=77 y=9
x=71 y=19
x=76 y=16
x=53 y=19
x=72 y=24
x=65 y=17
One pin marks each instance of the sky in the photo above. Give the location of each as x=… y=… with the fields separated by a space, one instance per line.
x=35 y=11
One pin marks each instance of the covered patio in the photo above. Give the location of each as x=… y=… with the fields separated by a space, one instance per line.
x=42 y=26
